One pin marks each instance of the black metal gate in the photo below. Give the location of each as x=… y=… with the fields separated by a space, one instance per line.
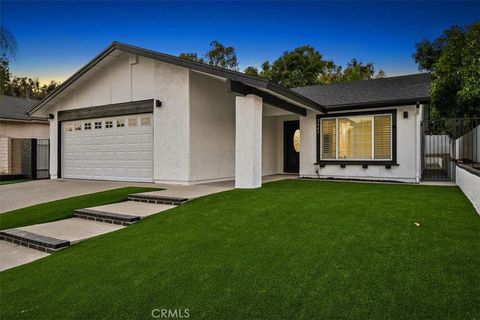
x=446 y=142
x=41 y=149
x=34 y=157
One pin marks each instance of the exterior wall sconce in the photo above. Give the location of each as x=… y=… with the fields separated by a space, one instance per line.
x=158 y=103
x=51 y=116
x=405 y=114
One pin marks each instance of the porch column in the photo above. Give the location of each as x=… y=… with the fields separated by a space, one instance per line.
x=248 y=142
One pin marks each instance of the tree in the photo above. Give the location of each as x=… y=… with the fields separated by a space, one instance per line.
x=454 y=61
x=300 y=67
x=29 y=88
x=221 y=56
x=332 y=73
x=356 y=70
x=218 y=55
x=8 y=44
x=305 y=66
x=191 y=56
x=4 y=75
x=8 y=49
x=251 y=71
x=47 y=88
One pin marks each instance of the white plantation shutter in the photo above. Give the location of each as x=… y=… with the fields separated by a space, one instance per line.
x=329 y=140
x=355 y=138
x=365 y=137
x=383 y=137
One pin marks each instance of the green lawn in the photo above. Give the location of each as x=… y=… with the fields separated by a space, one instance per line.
x=62 y=209
x=290 y=250
x=13 y=181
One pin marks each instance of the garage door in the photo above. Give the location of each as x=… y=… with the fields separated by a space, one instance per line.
x=115 y=148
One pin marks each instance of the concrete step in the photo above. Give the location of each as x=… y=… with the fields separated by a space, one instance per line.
x=33 y=240
x=14 y=255
x=73 y=229
x=133 y=208
x=107 y=217
x=157 y=199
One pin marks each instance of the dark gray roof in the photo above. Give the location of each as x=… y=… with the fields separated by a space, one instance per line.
x=401 y=90
x=16 y=108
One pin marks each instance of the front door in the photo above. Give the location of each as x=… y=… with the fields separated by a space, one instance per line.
x=291 y=146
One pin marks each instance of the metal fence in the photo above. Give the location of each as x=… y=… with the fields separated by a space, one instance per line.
x=30 y=158
x=446 y=142
x=42 y=155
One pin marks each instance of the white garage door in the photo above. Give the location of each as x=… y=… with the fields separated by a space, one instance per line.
x=115 y=148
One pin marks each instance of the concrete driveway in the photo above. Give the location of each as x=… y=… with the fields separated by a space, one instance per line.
x=25 y=194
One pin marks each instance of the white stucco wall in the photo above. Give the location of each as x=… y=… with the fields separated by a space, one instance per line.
x=172 y=124
x=124 y=80
x=269 y=145
x=407 y=157
x=248 y=141
x=212 y=129
x=470 y=185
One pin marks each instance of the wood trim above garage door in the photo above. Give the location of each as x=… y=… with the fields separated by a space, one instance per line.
x=107 y=110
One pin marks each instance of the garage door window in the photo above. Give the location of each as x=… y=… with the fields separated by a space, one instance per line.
x=145 y=121
x=68 y=127
x=78 y=126
x=120 y=123
x=108 y=124
x=87 y=126
x=98 y=125
x=132 y=122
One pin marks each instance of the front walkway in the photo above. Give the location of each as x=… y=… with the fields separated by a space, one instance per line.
x=25 y=244
x=26 y=194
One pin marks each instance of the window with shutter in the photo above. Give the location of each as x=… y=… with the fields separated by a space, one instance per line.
x=357 y=137
x=329 y=132
x=383 y=137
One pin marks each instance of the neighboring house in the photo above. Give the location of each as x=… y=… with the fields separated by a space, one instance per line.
x=138 y=115
x=15 y=124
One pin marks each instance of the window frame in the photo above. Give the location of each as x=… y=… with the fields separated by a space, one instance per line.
x=392 y=161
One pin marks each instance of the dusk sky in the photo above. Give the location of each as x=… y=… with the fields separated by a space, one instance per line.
x=56 y=38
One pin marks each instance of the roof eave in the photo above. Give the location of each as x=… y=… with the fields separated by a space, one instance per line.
x=33 y=120
x=379 y=104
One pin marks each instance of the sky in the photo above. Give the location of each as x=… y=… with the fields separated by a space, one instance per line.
x=56 y=38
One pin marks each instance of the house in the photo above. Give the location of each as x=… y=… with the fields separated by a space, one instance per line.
x=138 y=115
x=15 y=124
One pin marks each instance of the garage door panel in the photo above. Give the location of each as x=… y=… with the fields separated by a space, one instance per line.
x=114 y=152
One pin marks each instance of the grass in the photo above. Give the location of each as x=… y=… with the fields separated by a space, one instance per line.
x=13 y=181
x=62 y=209
x=290 y=250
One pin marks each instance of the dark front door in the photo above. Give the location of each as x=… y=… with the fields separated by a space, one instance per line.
x=291 y=146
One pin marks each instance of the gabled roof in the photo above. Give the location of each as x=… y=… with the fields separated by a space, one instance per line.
x=15 y=108
x=393 y=91
x=197 y=66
